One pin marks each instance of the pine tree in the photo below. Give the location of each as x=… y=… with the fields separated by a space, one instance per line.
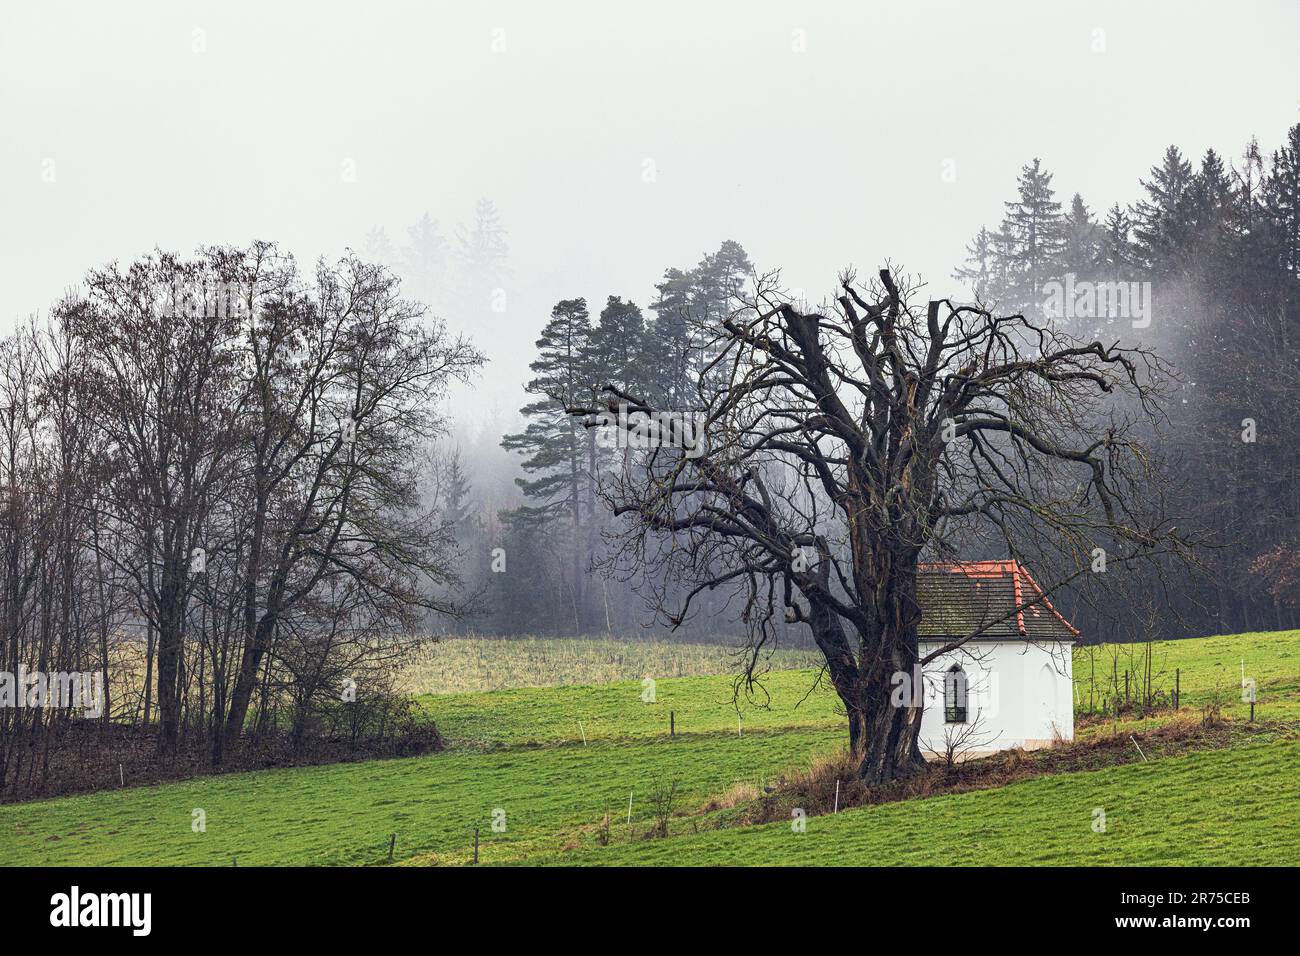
x=615 y=351
x=667 y=343
x=553 y=441
x=559 y=450
x=715 y=283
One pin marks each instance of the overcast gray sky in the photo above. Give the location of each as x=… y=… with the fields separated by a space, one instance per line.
x=816 y=134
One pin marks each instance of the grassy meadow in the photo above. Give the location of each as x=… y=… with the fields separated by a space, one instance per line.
x=518 y=756
x=457 y=665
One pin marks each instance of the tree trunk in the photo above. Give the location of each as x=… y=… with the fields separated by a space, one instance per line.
x=169 y=658
x=883 y=738
x=887 y=745
x=246 y=679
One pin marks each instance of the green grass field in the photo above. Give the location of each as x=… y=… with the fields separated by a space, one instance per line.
x=1210 y=670
x=1223 y=807
x=533 y=716
x=521 y=751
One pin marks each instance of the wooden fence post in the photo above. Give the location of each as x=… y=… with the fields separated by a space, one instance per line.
x=476 y=844
x=392 y=842
x=1178 y=688
x=672 y=724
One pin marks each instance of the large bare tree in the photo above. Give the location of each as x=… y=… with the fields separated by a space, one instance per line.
x=838 y=447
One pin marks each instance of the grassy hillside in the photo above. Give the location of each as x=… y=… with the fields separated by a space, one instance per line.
x=343 y=814
x=521 y=751
x=1224 y=807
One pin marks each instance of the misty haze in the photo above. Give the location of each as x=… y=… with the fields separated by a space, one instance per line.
x=677 y=434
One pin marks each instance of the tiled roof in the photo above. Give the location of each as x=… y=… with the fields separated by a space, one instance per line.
x=958 y=599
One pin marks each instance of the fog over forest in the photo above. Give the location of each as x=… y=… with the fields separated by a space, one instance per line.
x=451 y=227
x=179 y=125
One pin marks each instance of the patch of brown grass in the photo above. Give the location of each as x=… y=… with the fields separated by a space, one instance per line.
x=737 y=794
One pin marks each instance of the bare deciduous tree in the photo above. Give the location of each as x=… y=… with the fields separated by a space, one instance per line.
x=840 y=446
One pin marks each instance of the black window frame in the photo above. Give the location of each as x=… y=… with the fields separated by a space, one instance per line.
x=955 y=696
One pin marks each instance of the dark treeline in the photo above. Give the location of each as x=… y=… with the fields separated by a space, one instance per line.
x=212 y=473
x=1204 y=268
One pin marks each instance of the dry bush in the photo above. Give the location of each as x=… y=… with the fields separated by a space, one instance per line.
x=1211 y=714
x=662 y=796
x=738 y=794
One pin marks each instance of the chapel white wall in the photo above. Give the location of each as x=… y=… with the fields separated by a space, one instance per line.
x=1018 y=692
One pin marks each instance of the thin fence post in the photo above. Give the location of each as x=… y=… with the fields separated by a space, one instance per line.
x=1126 y=697
x=672 y=724
x=1178 y=688
x=392 y=842
x=476 y=844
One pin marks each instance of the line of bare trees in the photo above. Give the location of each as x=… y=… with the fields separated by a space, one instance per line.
x=211 y=475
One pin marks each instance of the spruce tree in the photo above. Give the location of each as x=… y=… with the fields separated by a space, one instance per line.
x=1116 y=245
x=1163 y=221
x=481 y=254
x=1081 y=249
x=424 y=262
x=1282 y=205
x=1034 y=228
x=978 y=269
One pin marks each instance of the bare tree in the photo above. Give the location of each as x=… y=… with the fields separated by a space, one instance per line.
x=160 y=383
x=230 y=454
x=839 y=446
x=960 y=741
x=343 y=381
x=662 y=796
